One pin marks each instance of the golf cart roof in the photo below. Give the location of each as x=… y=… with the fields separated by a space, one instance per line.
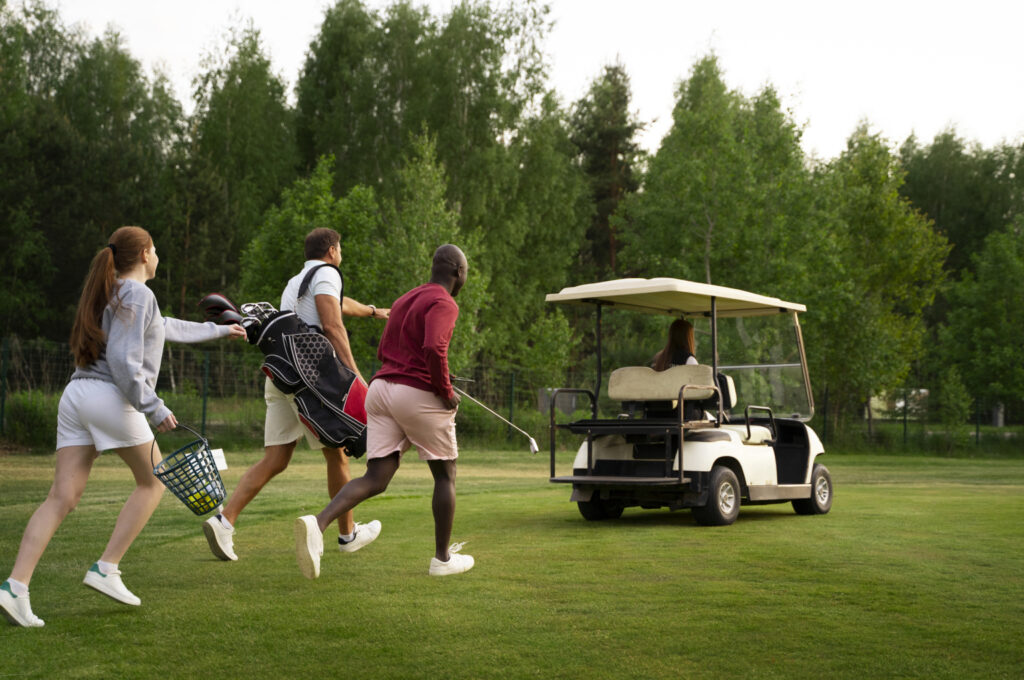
x=674 y=297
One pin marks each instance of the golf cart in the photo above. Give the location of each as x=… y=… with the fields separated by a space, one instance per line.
x=706 y=436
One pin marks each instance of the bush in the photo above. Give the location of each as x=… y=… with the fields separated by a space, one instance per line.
x=30 y=419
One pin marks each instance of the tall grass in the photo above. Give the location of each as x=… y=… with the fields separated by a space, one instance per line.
x=916 y=572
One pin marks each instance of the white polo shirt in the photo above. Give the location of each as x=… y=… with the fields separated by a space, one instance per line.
x=326 y=281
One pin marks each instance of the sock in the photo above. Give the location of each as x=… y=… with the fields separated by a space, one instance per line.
x=224 y=521
x=18 y=588
x=106 y=568
x=347 y=538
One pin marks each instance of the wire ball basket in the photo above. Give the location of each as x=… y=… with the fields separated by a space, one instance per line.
x=191 y=474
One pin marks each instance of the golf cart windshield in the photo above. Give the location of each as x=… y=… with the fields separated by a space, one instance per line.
x=762 y=355
x=752 y=338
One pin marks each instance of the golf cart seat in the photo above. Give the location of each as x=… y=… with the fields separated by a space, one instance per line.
x=754 y=435
x=655 y=393
x=641 y=383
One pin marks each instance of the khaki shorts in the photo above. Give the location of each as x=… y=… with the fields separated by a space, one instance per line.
x=95 y=412
x=399 y=416
x=282 y=424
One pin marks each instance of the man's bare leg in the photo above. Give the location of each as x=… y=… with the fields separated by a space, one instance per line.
x=338 y=475
x=379 y=472
x=443 y=505
x=275 y=460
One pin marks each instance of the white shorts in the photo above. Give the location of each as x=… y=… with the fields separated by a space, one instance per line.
x=282 y=424
x=95 y=412
x=400 y=416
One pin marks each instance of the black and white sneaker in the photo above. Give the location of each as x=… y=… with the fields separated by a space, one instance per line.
x=364 y=535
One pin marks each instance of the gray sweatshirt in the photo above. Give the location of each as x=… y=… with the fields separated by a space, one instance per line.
x=135 y=346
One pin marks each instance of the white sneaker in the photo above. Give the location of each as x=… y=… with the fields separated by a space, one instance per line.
x=309 y=545
x=365 y=534
x=220 y=539
x=16 y=608
x=456 y=563
x=110 y=585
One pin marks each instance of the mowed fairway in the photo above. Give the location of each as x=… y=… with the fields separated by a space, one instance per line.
x=918 y=571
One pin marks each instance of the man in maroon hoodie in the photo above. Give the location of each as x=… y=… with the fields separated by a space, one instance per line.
x=410 y=403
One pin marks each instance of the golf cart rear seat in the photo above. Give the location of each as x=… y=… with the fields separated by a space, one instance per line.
x=656 y=393
x=641 y=383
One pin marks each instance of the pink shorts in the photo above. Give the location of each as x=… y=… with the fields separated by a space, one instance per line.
x=399 y=416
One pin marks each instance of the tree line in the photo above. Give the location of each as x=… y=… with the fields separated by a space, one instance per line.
x=409 y=129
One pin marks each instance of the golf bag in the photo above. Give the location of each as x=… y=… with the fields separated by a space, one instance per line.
x=301 y=361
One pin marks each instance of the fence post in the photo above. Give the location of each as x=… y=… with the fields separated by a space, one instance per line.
x=977 y=424
x=4 y=361
x=511 y=403
x=206 y=387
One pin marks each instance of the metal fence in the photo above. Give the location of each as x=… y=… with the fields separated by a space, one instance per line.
x=218 y=388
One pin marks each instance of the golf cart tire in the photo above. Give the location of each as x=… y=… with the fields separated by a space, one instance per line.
x=723 y=506
x=820 y=501
x=597 y=509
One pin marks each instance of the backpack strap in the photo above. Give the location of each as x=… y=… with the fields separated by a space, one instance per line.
x=304 y=286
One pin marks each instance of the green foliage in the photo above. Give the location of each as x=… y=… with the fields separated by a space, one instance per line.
x=275 y=254
x=414 y=226
x=983 y=337
x=875 y=271
x=531 y=240
x=443 y=128
x=30 y=419
x=604 y=132
x=243 y=149
x=472 y=81
x=954 y=407
x=727 y=195
x=83 y=143
x=186 y=403
x=967 y=190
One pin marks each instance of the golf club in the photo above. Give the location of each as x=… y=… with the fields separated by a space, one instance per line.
x=533 y=444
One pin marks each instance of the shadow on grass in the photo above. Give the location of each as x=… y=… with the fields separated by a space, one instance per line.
x=633 y=517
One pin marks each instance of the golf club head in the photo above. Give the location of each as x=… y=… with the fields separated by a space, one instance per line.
x=261 y=311
x=227 y=317
x=215 y=303
x=533 y=446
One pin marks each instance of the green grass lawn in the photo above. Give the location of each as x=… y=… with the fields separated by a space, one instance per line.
x=916 y=573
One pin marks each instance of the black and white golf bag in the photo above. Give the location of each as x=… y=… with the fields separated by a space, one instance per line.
x=302 y=362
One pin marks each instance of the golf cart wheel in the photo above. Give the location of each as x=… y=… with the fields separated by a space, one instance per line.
x=598 y=509
x=820 y=501
x=723 y=504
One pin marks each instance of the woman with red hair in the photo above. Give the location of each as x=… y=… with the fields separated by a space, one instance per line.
x=110 y=403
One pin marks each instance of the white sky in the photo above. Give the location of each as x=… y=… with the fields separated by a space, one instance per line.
x=903 y=65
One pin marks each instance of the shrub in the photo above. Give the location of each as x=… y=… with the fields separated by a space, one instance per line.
x=30 y=419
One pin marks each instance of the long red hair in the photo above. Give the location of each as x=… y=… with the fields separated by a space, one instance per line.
x=87 y=337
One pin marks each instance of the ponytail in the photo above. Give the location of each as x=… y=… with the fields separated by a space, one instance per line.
x=101 y=286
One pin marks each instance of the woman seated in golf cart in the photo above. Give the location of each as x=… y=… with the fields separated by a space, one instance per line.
x=679 y=349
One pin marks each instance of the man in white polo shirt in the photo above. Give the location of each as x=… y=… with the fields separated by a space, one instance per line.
x=322 y=305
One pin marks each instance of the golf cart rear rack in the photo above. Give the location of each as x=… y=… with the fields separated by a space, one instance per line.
x=673 y=429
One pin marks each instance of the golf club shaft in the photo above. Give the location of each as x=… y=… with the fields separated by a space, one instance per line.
x=487 y=408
